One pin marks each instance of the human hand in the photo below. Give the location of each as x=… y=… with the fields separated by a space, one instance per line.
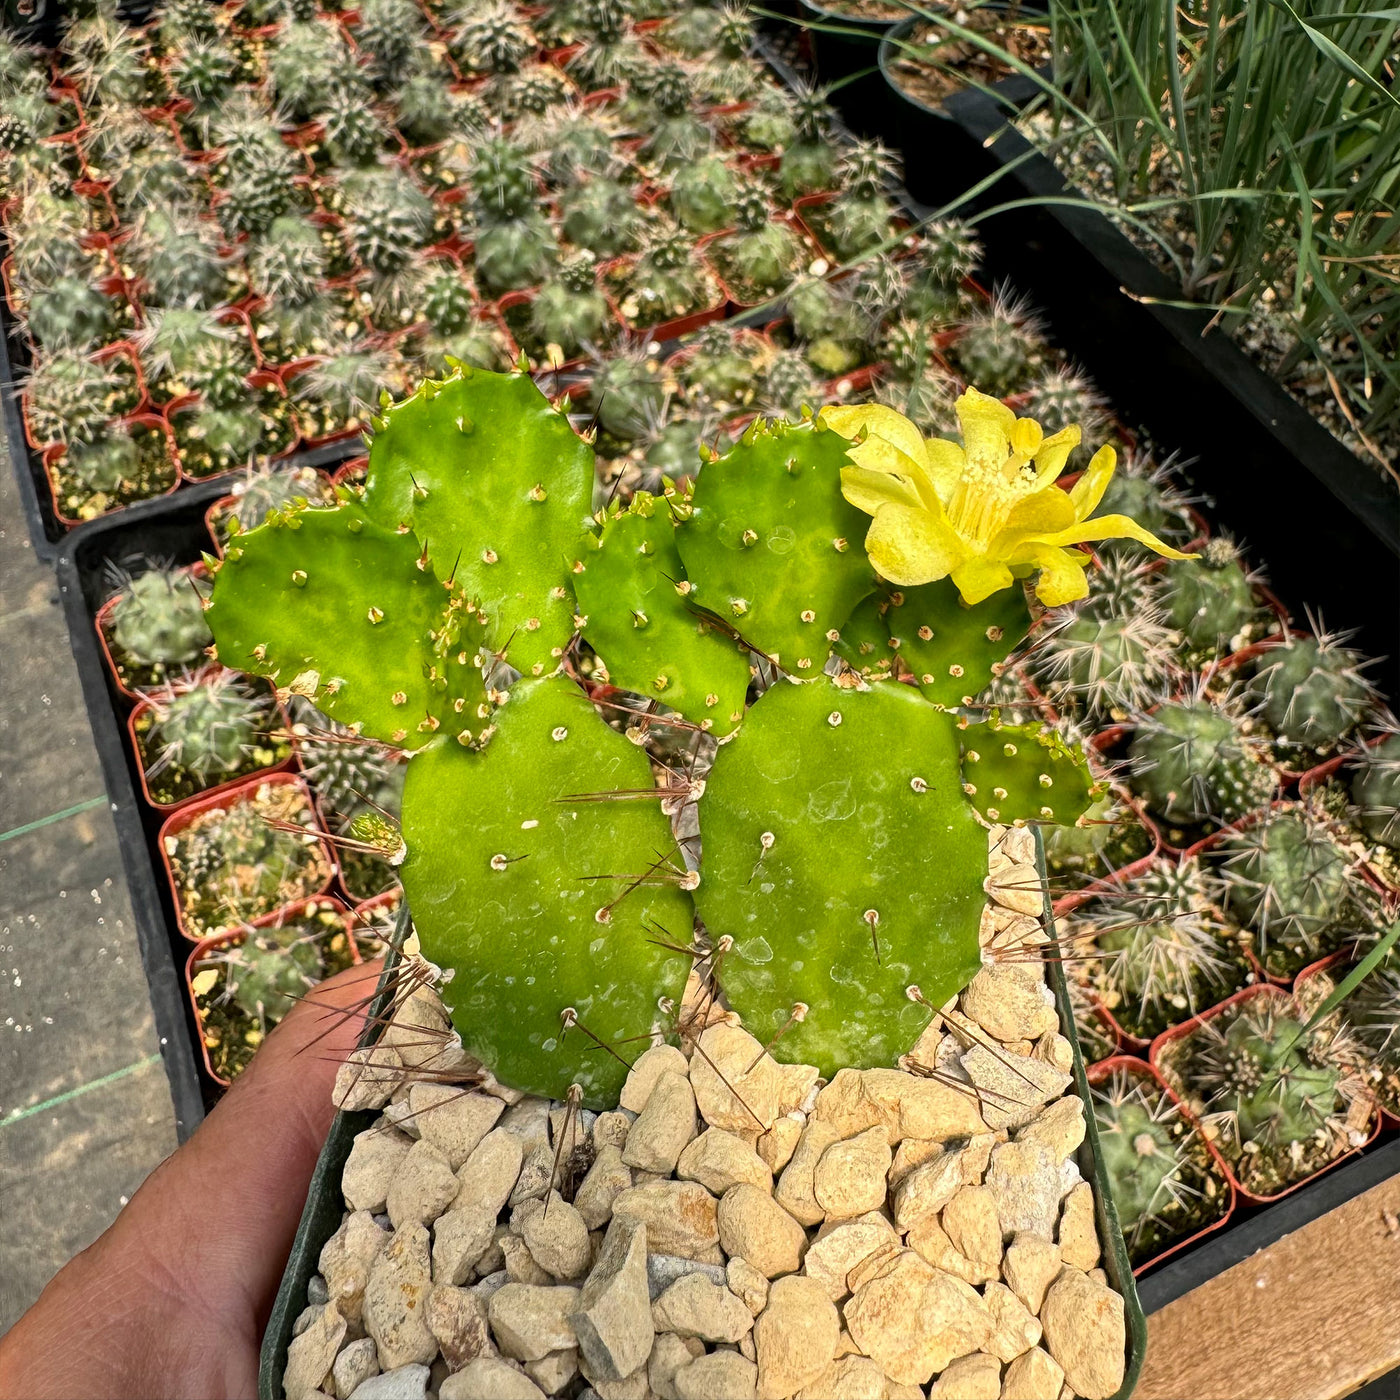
x=173 y=1298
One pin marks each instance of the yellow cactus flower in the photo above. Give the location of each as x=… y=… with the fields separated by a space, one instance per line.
x=985 y=513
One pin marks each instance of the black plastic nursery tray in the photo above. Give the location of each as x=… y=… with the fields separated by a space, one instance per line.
x=170 y=529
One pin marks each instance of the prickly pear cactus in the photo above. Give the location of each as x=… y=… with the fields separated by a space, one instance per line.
x=635 y=610
x=493 y=482
x=819 y=818
x=558 y=977
x=773 y=548
x=335 y=607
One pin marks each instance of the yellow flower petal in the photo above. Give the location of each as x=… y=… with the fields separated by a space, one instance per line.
x=946 y=461
x=1114 y=527
x=986 y=426
x=1087 y=492
x=1044 y=513
x=892 y=443
x=1054 y=453
x=869 y=490
x=1062 y=577
x=1026 y=437
x=911 y=546
x=980 y=578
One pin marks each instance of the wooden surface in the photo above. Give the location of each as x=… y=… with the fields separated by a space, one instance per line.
x=1312 y=1317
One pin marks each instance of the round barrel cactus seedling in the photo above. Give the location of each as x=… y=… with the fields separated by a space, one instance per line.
x=703 y=195
x=762 y=256
x=628 y=394
x=156 y=626
x=1164 y=1182
x=861 y=217
x=208 y=734
x=392 y=34
x=1211 y=602
x=1311 y=692
x=1107 y=837
x=1168 y=949
x=1296 y=885
x=600 y=216
x=1376 y=790
x=1000 y=349
x=947 y=254
x=808 y=165
x=571 y=313
x=1197 y=761
x=1287 y=1099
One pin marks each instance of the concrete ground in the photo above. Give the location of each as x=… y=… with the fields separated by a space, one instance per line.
x=85 y=1111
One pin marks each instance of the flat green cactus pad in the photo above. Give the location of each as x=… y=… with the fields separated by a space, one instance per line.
x=1021 y=772
x=865 y=640
x=845 y=862
x=773 y=547
x=327 y=604
x=497 y=488
x=634 y=599
x=523 y=894
x=949 y=647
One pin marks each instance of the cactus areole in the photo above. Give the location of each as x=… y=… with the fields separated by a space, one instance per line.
x=840 y=866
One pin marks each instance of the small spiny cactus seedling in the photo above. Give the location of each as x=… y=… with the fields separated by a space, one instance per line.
x=861 y=217
x=1058 y=397
x=692 y=31
x=1283 y=1095
x=611 y=54
x=1292 y=881
x=156 y=627
x=1195 y=761
x=1372 y=1015
x=355 y=133
x=947 y=254
x=207 y=734
x=761 y=257
x=667 y=281
x=391 y=34
x=73 y=314
x=703 y=195
x=808 y=165
x=768 y=124
x=571 y=313
x=426 y=110
x=789 y=385
x=829 y=323
x=341 y=391
x=388 y=219
x=531 y=100
x=676 y=135
x=1168 y=949
x=720 y=366
x=308 y=63
x=1211 y=602
x=263 y=490
x=108 y=61
x=204 y=70
x=628 y=393
x=816 y=888
x=288 y=262
x=179 y=260
x=1311 y=692
x=69 y=398
x=927 y=399
x=234 y=864
x=491 y=37
x=1376 y=790
x=1164 y=1182
x=600 y=216
x=106 y=465
x=575 y=143
x=1107 y=837
x=730 y=74
x=999 y=348
x=515 y=253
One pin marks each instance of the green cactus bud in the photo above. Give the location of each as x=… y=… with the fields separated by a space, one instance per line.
x=448 y=303
x=814 y=817
x=1292 y=881
x=1311 y=692
x=1194 y=761
x=503 y=184
x=157 y=622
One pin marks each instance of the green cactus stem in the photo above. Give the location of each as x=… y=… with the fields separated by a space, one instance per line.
x=1376 y=790
x=769 y=544
x=559 y=955
x=816 y=816
x=1311 y=692
x=157 y=624
x=1020 y=773
x=633 y=599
